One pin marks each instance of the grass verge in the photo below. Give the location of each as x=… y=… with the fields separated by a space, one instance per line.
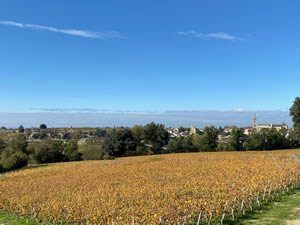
x=283 y=211
x=7 y=219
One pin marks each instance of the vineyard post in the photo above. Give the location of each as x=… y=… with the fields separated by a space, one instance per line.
x=133 y=220
x=264 y=193
x=223 y=216
x=250 y=202
x=199 y=218
x=160 y=220
x=242 y=205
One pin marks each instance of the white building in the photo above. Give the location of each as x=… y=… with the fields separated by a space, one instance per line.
x=258 y=127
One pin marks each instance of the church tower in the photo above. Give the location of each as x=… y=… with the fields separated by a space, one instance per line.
x=254 y=121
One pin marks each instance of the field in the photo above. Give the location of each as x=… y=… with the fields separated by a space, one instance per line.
x=164 y=189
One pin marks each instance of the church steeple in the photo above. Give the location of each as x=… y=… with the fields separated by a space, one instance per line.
x=254 y=121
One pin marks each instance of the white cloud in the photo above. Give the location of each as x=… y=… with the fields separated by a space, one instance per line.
x=74 y=32
x=239 y=110
x=217 y=35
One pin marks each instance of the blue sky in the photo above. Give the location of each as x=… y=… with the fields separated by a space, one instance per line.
x=148 y=56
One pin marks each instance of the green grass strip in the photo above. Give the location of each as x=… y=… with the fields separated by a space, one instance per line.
x=285 y=211
x=15 y=220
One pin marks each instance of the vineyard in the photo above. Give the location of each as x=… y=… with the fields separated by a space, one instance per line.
x=195 y=188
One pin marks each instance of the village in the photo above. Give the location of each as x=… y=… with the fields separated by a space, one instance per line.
x=224 y=133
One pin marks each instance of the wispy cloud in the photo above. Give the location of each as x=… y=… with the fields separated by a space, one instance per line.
x=217 y=35
x=74 y=32
x=90 y=110
x=67 y=110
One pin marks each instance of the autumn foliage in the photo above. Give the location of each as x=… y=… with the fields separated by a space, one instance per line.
x=152 y=189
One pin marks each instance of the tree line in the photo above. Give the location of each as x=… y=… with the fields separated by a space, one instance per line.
x=145 y=140
x=128 y=143
x=17 y=152
x=154 y=139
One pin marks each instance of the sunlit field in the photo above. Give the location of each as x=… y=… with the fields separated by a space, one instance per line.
x=156 y=189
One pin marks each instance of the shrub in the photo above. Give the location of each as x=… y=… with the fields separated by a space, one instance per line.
x=49 y=152
x=19 y=143
x=2 y=145
x=71 y=151
x=11 y=161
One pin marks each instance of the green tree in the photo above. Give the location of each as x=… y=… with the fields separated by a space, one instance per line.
x=210 y=139
x=13 y=160
x=181 y=144
x=43 y=126
x=267 y=139
x=2 y=145
x=274 y=140
x=14 y=155
x=207 y=141
x=254 y=141
x=21 y=129
x=49 y=151
x=295 y=113
x=237 y=139
x=157 y=136
x=200 y=143
x=71 y=151
x=138 y=133
x=19 y=144
x=223 y=147
x=120 y=143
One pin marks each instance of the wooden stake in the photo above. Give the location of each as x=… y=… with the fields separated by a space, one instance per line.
x=242 y=205
x=257 y=200
x=264 y=193
x=199 y=218
x=223 y=216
